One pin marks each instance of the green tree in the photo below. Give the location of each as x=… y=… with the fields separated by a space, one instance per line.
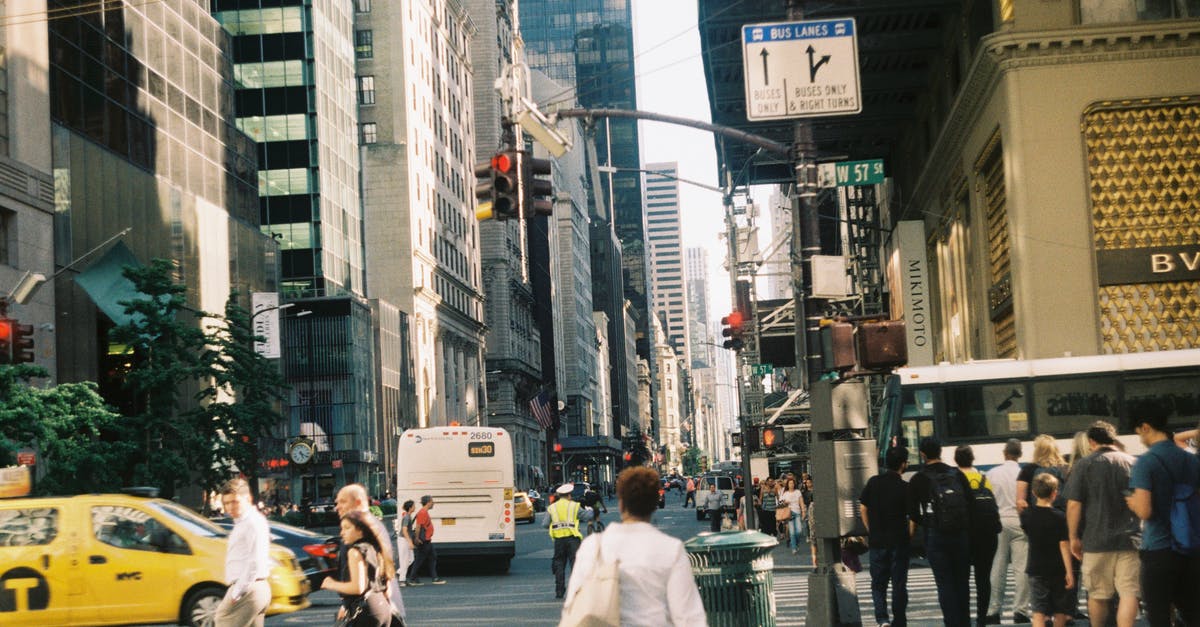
x=171 y=355
x=75 y=433
x=244 y=396
x=691 y=461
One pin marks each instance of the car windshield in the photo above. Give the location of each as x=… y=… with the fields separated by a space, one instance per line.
x=189 y=519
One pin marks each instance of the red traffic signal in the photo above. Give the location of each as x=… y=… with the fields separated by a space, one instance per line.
x=557 y=447
x=733 y=330
x=6 y=329
x=772 y=437
x=498 y=188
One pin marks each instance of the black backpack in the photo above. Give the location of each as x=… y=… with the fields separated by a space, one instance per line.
x=985 y=513
x=949 y=502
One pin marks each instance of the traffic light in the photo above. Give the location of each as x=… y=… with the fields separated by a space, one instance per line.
x=735 y=439
x=22 y=343
x=733 y=331
x=6 y=328
x=537 y=191
x=485 y=187
x=498 y=187
x=750 y=444
x=772 y=437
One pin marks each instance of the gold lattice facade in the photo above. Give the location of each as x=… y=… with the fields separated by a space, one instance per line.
x=1143 y=162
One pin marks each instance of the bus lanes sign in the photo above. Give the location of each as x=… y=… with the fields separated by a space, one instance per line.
x=801 y=69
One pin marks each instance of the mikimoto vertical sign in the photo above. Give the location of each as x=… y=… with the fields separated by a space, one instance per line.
x=801 y=69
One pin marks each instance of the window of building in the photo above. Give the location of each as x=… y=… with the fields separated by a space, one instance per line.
x=364 y=46
x=366 y=90
x=1107 y=11
x=370 y=133
x=362 y=6
x=8 y=221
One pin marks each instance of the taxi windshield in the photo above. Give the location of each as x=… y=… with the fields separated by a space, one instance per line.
x=189 y=519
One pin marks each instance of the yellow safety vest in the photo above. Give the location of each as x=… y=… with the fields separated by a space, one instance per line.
x=564 y=519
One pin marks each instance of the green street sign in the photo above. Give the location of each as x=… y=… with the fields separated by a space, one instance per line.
x=762 y=369
x=850 y=173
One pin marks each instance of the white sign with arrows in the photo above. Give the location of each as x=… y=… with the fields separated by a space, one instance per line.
x=801 y=69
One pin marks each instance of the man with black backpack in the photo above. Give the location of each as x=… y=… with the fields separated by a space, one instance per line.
x=939 y=501
x=1165 y=481
x=985 y=529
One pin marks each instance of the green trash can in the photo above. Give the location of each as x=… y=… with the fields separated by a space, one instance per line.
x=735 y=573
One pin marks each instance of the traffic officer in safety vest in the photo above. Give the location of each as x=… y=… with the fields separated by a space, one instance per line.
x=563 y=521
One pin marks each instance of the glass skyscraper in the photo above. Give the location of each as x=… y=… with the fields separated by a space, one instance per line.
x=588 y=44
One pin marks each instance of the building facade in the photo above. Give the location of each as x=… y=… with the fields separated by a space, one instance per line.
x=664 y=244
x=588 y=47
x=1063 y=106
x=415 y=122
x=297 y=98
x=27 y=186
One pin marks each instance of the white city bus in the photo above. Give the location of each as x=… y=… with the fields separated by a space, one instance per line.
x=469 y=473
x=986 y=402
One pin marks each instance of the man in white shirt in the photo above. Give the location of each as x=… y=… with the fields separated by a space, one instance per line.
x=1013 y=546
x=246 y=560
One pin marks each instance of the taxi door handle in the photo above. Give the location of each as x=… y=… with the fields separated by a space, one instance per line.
x=97 y=559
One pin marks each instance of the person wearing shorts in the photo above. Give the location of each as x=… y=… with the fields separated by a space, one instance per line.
x=1103 y=532
x=1051 y=578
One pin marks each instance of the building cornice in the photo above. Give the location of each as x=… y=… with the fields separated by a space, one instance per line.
x=1003 y=52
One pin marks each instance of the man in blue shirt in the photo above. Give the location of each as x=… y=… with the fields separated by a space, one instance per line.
x=1167 y=577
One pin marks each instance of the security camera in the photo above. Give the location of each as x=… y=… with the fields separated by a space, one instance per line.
x=542 y=129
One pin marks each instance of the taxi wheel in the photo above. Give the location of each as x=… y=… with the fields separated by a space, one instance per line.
x=200 y=607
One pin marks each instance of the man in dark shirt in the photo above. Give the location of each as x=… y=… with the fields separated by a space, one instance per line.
x=1168 y=576
x=946 y=547
x=884 y=509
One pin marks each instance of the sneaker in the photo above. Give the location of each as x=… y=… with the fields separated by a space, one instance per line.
x=402 y=584
x=414 y=582
x=437 y=582
x=1021 y=618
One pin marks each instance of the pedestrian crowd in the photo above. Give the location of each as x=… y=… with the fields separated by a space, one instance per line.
x=1123 y=530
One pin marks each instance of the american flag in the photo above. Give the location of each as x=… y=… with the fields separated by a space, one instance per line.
x=540 y=406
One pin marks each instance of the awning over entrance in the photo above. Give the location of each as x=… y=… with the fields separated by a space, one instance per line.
x=107 y=287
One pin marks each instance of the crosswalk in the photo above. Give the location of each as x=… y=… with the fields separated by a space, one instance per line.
x=791 y=597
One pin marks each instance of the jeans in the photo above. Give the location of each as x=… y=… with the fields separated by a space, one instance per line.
x=1013 y=548
x=890 y=565
x=1169 y=578
x=690 y=498
x=983 y=551
x=564 y=557
x=795 y=530
x=951 y=573
x=424 y=553
x=714 y=520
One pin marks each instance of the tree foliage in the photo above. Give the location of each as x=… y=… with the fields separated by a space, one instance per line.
x=78 y=438
x=244 y=395
x=691 y=461
x=171 y=355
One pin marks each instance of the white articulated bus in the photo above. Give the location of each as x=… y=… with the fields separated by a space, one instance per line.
x=986 y=402
x=469 y=473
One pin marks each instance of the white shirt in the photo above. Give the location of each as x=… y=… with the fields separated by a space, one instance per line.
x=657 y=586
x=793 y=498
x=1004 y=486
x=247 y=557
x=713 y=500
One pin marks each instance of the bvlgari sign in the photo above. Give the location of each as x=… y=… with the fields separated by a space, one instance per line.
x=1148 y=265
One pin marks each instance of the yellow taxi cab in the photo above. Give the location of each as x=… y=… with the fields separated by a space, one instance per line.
x=522 y=507
x=109 y=559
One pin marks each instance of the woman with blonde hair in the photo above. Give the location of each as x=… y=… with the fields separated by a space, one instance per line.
x=1082 y=448
x=1046 y=459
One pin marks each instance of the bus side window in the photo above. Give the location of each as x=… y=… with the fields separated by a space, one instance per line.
x=1180 y=394
x=1065 y=406
x=982 y=411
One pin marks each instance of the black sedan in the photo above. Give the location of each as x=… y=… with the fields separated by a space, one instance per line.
x=316 y=553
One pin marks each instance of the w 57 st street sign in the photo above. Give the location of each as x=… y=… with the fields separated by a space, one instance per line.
x=801 y=69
